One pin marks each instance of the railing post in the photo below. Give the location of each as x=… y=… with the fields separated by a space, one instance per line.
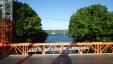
x=100 y=49
x=95 y=49
x=23 y=52
x=26 y=52
x=62 y=49
x=43 y=49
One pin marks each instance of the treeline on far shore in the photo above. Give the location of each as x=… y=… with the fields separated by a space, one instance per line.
x=56 y=31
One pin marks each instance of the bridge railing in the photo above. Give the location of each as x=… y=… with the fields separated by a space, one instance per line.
x=57 y=48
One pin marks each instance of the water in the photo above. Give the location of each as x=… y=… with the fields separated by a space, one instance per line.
x=58 y=38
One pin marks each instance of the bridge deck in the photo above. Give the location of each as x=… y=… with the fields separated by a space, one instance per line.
x=59 y=59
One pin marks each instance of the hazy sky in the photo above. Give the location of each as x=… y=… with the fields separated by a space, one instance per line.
x=55 y=14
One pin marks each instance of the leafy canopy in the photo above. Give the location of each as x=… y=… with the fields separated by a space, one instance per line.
x=92 y=23
x=27 y=24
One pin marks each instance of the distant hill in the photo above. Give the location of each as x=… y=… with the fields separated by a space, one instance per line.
x=57 y=31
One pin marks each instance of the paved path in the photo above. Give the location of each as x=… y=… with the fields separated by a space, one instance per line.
x=58 y=59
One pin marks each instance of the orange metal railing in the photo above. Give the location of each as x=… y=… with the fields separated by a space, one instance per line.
x=81 y=48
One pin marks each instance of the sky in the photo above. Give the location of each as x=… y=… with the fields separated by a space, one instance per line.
x=55 y=14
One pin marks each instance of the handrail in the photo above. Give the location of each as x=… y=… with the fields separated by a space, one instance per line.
x=59 y=43
x=81 y=47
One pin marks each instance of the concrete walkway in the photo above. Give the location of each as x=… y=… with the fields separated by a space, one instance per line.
x=58 y=59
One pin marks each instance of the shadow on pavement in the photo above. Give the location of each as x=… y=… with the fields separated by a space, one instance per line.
x=23 y=60
x=62 y=59
x=3 y=56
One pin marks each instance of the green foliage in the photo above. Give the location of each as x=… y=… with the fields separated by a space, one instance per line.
x=27 y=24
x=93 y=23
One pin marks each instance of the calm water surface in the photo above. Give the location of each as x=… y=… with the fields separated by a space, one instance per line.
x=58 y=38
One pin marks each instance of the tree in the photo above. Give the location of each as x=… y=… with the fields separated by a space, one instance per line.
x=92 y=23
x=27 y=24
